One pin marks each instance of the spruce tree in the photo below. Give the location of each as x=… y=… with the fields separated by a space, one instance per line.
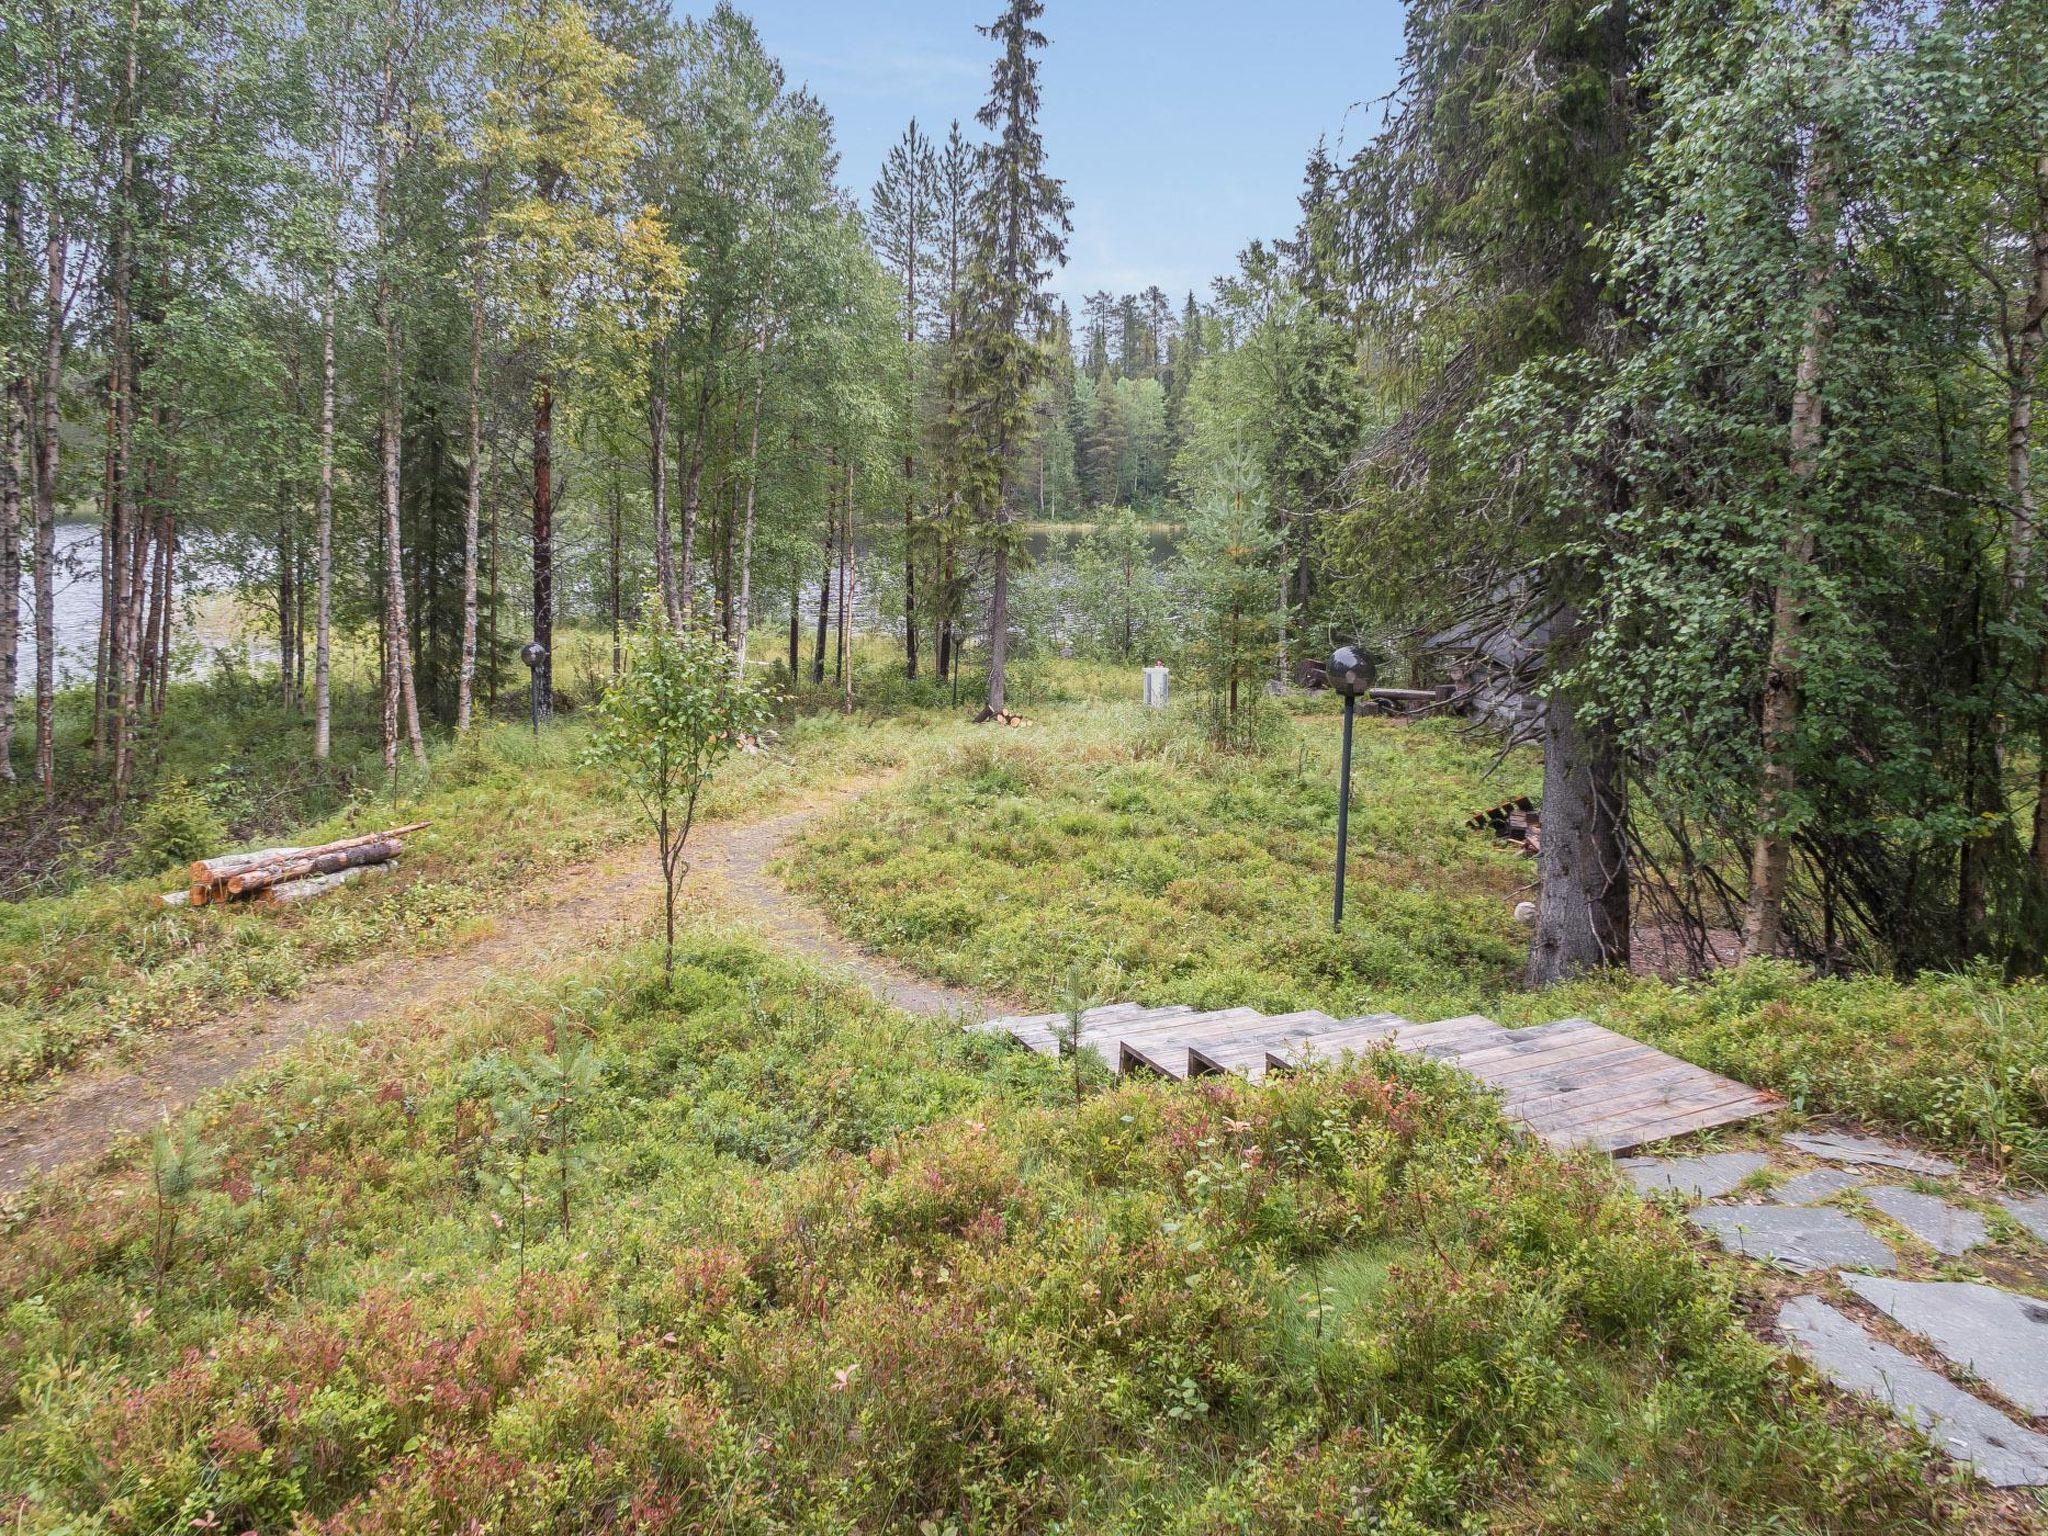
x=1020 y=236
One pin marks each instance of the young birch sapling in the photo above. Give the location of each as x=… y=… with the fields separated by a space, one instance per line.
x=663 y=726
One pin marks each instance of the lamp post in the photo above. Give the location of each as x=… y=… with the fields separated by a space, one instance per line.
x=1351 y=674
x=533 y=653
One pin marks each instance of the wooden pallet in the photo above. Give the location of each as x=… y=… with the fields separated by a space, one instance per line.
x=1573 y=1083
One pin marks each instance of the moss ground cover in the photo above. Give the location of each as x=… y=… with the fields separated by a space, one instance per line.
x=1204 y=878
x=757 y=1255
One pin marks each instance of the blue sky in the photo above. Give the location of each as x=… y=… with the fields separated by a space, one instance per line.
x=1179 y=128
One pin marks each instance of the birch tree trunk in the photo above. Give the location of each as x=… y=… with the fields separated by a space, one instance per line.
x=10 y=570
x=401 y=703
x=693 y=490
x=323 y=516
x=657 y=432
x=544 y=541
x=846 y=581
x=56 y=251
x=1771 y=856
x=743 y=603
x=472 y=502
x=825 y=581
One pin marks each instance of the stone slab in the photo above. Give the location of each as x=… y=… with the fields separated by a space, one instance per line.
x=1796 y=1237
x=1947 y=1229
x=2004 y=1454
x=1814 y=1186
x=1997 y=1336
x=2030 y=1212
x=1872 y=1151
x=1702 y=1178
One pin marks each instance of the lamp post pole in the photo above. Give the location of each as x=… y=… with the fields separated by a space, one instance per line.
x=1351 y=673
x=533 y=653
x=1343 y=813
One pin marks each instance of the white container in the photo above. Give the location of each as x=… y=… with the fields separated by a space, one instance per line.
x=1155 y=687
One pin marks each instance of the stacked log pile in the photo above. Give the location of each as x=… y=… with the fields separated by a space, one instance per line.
x=292 y=874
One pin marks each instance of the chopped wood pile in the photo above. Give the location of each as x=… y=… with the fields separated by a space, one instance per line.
x=1512 y=821
x=991 y=717
x=292 y=874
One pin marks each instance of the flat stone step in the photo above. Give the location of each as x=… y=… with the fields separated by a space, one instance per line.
x=1696 y=1178
x=1796 y=1237
x=2003 y=1453
x=1949 y=1230
x=1997 y=1336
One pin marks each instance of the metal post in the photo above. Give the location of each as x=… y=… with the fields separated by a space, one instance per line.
x=1343 y=813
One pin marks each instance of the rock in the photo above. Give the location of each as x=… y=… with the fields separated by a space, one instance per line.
x=2031 y=1213
x=1947 y=1229
x=2004 y=1454
x=1835 y=1147
x=1997 y=1336
x=1703 y=1177
x=1814 y=1186
x=1525 y=913
x=1795 y=1237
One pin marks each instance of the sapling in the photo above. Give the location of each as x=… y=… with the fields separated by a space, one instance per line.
x=1083 y=988
x=663 y=726
x=177 y=1165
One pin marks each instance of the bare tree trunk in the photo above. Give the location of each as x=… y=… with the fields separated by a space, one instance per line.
x=56 y=247
x=1771 y=855
x=168 y=537
x=2025 y=558
x=323 y=619
x=121 y=387
x=693 y=490
x=401 y=702
x=1582 y=914
x=795 y=615
x=846 y=581
x=472 y=502
x=617 y=530
x=13 y=468
x=664 y=550
x=544 y=540
x=742 y=612
x=825 y=582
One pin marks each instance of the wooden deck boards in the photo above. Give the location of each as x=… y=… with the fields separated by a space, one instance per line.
x=1573 y=1083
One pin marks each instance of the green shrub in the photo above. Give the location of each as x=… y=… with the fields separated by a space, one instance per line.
x=176 y=827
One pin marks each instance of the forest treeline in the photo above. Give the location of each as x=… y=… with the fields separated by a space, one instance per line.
x=443 y=323
x=1671 y=367
x=1698 y=348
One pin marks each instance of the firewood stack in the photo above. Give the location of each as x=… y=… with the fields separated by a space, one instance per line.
x=278 y=875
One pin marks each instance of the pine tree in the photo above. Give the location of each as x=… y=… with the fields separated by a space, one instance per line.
x=1020 y=232
x=903 y=210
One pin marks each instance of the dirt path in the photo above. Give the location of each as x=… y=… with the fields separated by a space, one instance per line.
x=613 y=898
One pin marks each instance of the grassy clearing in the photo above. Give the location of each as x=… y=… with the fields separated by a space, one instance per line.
x=1199 y=877
x=1203 y=878
x=106 y=962
x=759 y=1256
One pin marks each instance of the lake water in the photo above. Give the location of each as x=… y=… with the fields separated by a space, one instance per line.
x=77 y=590
x=76 y=587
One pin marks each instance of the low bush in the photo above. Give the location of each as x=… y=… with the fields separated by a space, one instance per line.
x=828 y=1268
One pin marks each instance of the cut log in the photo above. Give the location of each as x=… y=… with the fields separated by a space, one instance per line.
x=252 y=880
x=307 y=887
x=212 y=879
